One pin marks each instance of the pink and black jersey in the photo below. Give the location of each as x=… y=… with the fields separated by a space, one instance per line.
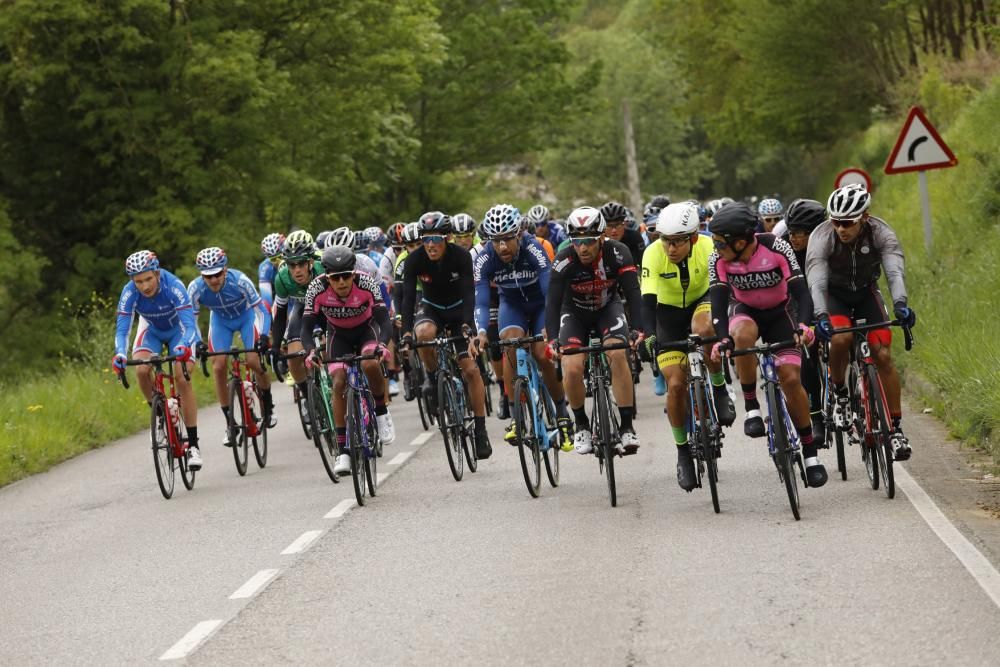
x=361 y=305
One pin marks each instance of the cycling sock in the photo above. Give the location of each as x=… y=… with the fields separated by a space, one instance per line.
x=561 y=408
x=750 y=401
x=896 y=419
x=718 y=379
x=381 y=409
x=580 y=417
x=806 y=438
x=268 y=399
x=625 y=414
x=503 y=387
x=680 y=435
x=225 y=412
x=379 y=402
x=341 y=437
x=840 y=390
x=303 y=388
x=192 y=436
x=480 y=424
x=432 y=376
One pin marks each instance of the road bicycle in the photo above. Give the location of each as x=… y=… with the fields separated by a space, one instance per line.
x=319 y=390
x=537 y=432
x=454 y=414
x=867 y=422
x=704 y=430
x=170 y=447
x=782 y=436
x=247 y=422
x=603 y=422
x=486 y=373
x=413 y=375
x=363 y=443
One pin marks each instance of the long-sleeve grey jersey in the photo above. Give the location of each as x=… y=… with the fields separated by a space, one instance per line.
x=851 y=267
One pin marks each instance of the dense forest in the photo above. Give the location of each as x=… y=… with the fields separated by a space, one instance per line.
x=173 y=124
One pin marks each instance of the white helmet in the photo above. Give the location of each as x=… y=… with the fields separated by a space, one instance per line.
x=342 y=236
x=849 y=201
x=677 y=219
x=538 y=214
x=411 y=232
x=585 y=220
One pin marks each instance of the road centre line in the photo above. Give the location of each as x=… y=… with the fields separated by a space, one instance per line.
x=256 y=583
x=191 y=640
x=341 y=508
x=975 y=562
x=302 y=542
x=421 y=439
x=400 y=458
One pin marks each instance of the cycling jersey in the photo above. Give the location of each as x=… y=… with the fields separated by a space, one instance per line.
x=366 y=264
x=521 y=283
x=363 y=303
x=266 y=272
x=855 y=266
x=556 y=234
x=585 y=289
x=446 y=284
x=285 y=287
x=676 y=285
x=167 y=315
x=235 y=307
x=761 y=283
x=287 y=290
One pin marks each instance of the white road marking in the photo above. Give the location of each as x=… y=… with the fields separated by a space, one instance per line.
x=188 y=642
x=254 y=584
x=400 y=458
x=381 y=477
x=302 y=542
x=340 y=509
x=422 y=438
x=974 y=561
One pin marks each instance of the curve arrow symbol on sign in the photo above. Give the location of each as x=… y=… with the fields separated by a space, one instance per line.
x=911 y=153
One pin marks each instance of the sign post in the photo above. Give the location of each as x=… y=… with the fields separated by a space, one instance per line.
x=919 y=148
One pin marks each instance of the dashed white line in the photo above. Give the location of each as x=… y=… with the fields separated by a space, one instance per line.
x=302 y=542
x=341 y=508
x=422 y=438
x=400 y=458
x=254 y=584
x=188 y=642
x=968 y=555
x=381 y=477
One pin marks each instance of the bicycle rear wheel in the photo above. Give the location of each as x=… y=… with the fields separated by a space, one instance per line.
x=784 y=457
x=355 y=446
x=260 y=440
x=323 y=436
x=880 y=422
x=487 y=383
x=451 y=423
x=706 y=440
x=527 y=436
x=602 y=415
x=163 y=452
x=298 y=398
x=551 y=454
x=238 y=427
x=374 y=450
x=469 y=444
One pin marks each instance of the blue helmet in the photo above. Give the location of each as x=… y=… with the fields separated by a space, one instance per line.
x=211 y=261
x=770 y=207
x=501 y=220
x=140 y=262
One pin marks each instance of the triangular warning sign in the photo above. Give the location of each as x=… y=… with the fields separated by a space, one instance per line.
x=919 y=147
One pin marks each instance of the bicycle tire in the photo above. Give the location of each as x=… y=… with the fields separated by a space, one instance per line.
x=863 y=418
x=371 y=455
x=783 y=454
x=883 y=444
x=528 y=448
x=317 y=415
x=551 y=455
x=487 y=384
x=355 y=447
x=187 y=475
x=602 y=412
x=298 y=398
x=450 y=424
x=834 y=435
x=469 y=443
x=238 y=426
x=705 y=440
x=260 y=441
x=163 y=453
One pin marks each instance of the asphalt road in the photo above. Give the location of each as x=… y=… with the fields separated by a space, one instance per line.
x=99 y=569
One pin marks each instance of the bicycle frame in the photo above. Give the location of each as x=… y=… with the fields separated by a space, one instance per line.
x=240 y=371
x=358 y=381
x=769 y=371
x=526 y=367
x=161 y=379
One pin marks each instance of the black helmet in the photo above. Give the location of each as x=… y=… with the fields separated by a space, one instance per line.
x=435 y=222
x=338 y=259
x=659 y=201
x=613 y=211
x=733 y=222
x=805 y=215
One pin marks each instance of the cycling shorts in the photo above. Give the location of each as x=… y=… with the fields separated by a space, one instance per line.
x=150 y=339
x=674 y=324
x=250 y=326
x=575 y=326
x=446 y=321
x=866 y=306
x=362 y=339
x=774 y=325
x=529 y=317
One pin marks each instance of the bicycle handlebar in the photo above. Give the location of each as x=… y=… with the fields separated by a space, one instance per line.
x=862 y=328
x=520 y=342
x=438 y=341
x=763 y=349
x=351 y=358
x=595 y=348
x=154 y=361
x=232 y=353
x=688 y=343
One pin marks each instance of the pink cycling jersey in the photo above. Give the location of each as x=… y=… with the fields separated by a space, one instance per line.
x=349 y=312
x=762 y=281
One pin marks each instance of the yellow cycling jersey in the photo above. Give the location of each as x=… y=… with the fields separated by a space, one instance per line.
x=676 y=285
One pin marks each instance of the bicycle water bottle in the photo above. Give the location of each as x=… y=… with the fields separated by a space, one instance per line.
x=174 y=408
x=251 y=395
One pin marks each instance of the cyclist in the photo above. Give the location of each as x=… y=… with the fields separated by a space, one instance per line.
x=357 y=322
x=771 y=212
x=617 y=229
x=448 y=298
x=271 y=248
x=516 y=264
x=290 y=286
x=583 y=296
x=395 y=239
x=235 y=307
x=846 y=256
x=802 y=217
x=411 y=241
x=465 y=231
x=675 y=304
x=375 y=241
x=493 y=327
x=160 y=301
x=752 y=278
x=538 y=216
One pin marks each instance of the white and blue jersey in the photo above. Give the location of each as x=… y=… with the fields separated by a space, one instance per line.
x=165 y=319
x=235 y=307
x=556 y=234
x=521 y=284
x=265 y=281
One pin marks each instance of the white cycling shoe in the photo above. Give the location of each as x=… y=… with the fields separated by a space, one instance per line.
x=194 y=458
x=393 y=388
x=343 y=465
x=386 y=431
x=583 y=442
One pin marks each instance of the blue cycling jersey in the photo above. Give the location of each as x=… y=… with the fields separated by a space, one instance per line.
x=265 y=280
x=556 y=234
x=237 y=296
x=524 y=281
x=167 y=310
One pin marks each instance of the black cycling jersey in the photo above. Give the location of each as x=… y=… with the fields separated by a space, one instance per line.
x=635 y=243
x=583 y=289
x=446 y=284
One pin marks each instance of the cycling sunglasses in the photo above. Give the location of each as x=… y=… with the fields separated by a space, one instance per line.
x=465 y=236
x=675 y=240
x=433 y=238
x=845 y=222
x=337 y=277
x=504 y=240
x=584 y=240
x=773 y=221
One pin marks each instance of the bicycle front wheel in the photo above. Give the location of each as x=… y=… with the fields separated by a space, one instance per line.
x=602 y=416
x=451 y=423
x=880 y=431
x=163 y=452
x=551 y=453
x=374 y=449
x=355 y=446
x=527 y=436
x=325 y=442
x=238 y=426
x=784 y=456
x=299 y=398
x=260 y=441
x=706 y=441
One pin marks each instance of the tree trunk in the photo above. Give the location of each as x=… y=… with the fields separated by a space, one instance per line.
x=911 y=49
x=631 y=165
x=948 y=19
